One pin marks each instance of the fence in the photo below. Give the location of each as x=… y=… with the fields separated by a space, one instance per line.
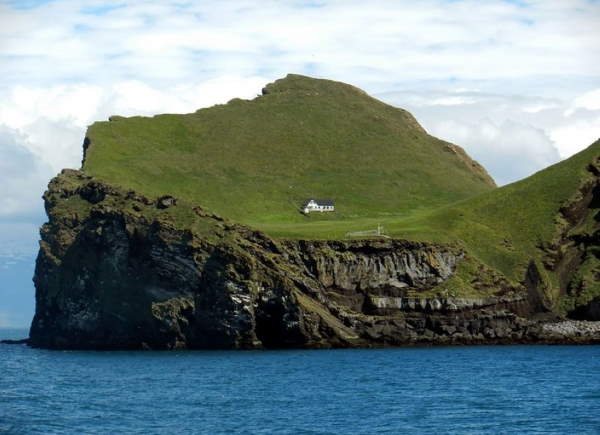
x=379 y=232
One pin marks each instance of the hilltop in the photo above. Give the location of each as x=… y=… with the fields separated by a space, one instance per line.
x=256 y=161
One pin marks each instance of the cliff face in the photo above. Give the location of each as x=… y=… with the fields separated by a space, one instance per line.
x=574 y=254
x=117 y=270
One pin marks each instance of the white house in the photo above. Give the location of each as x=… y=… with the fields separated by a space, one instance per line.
x=319 y=205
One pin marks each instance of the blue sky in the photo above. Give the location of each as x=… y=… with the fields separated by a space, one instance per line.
x=516 y=83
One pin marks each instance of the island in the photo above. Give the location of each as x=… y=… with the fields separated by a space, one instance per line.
x=187 y=232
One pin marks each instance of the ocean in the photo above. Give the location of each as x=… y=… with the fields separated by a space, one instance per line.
x=463 y=390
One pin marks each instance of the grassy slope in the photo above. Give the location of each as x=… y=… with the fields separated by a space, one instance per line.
x=505 y=227
x=502 y=228
x=256 y=161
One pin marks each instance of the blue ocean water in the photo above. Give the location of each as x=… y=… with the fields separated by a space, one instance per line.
x=487 y=389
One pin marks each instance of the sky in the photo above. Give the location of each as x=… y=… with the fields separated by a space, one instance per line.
x=514 y=82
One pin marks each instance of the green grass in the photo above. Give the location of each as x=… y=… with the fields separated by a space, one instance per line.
x=256 y=161
x=503 y=228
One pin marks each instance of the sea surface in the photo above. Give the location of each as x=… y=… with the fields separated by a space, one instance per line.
x=485 y=389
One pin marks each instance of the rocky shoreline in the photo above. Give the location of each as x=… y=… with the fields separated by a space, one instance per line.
x=20 y=341
x=573 y=330
x=561 y=332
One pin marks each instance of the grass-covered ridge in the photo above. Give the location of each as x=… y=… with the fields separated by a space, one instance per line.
x=256 y=161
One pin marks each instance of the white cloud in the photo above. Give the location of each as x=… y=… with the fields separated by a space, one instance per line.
x=50 y=122
x=573 y=136
x=538 y=107
x=511 y=135
x=22 y=175
x=590 y=101
x=451 y=101
x=176 y=41
x=509 y=150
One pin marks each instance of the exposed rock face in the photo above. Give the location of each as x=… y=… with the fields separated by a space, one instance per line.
x=376 y=264
x=574 y=255
x=589 y=311
x=117 y=270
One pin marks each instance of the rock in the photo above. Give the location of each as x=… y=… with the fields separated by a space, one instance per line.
x=573 y=328
x=378 y=264
x=589 y=311
x=107 y=278
x=434 y=305
x=22 y=341
x=165 y=202
x=93 y=192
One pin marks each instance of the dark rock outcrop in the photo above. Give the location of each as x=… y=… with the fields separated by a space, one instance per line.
x=21 y=341
x=117 y=270
x=589 y=311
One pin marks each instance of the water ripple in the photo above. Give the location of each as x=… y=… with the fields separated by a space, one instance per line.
x=463 y=390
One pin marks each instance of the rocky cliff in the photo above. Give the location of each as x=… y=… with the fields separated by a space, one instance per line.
x=119 y=270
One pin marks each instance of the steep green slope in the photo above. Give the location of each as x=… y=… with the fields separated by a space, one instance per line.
x=551 y=218
x=511 y=223
x=256 y=161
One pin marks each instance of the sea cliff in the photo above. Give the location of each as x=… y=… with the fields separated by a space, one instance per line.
x=183 y=231
x=119 y=270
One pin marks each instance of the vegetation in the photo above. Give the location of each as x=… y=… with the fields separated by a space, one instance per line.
x=256 y=161
x=506 y=227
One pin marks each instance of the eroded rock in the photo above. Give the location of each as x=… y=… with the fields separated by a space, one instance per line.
x=120 y=272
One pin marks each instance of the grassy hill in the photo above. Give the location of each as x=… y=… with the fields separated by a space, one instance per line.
x=255 y=161
x=507 y=226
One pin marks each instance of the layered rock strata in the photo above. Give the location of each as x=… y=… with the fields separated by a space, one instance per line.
x=117 y=270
